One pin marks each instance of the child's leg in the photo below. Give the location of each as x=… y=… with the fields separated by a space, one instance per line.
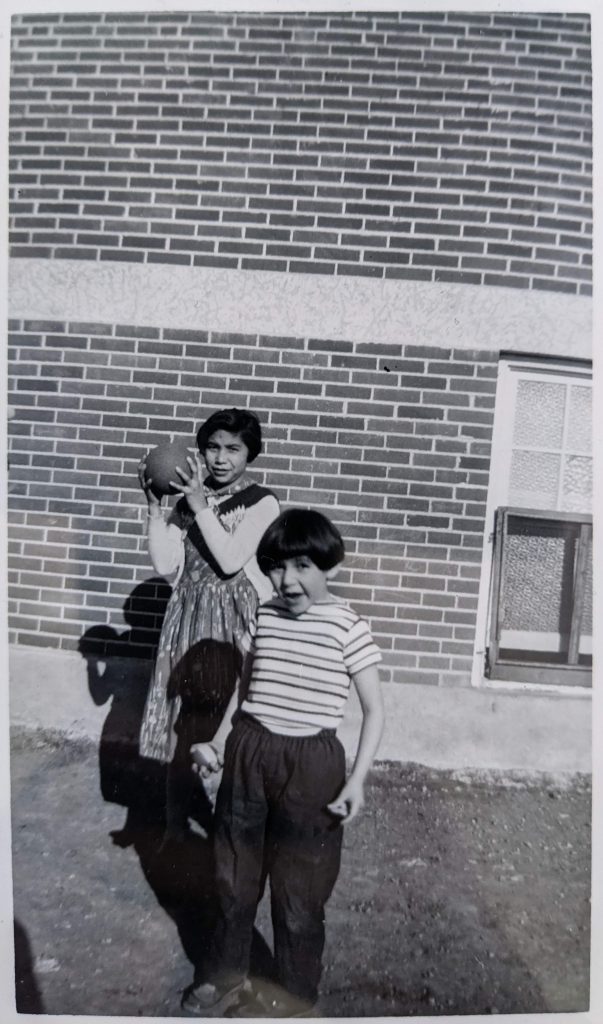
x=305 y=850
x=240 y=823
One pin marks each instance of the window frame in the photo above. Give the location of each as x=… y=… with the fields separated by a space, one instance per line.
x=511 y=367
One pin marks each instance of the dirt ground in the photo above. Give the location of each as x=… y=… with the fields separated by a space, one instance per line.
x=458 y=895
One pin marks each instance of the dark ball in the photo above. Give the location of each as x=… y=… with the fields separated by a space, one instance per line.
x=161 y=465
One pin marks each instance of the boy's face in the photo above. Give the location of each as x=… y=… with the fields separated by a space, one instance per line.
x=300 y=583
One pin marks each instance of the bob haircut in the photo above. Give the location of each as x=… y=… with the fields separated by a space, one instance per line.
x=236 y=421
x=297 y=532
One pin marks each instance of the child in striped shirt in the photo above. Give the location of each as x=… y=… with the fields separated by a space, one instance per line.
x=284 y=795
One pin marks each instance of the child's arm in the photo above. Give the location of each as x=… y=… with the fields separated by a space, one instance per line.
x=351 y=797
x=165 y=539
x=165 y=544
x=231 y=549
x=209 y=757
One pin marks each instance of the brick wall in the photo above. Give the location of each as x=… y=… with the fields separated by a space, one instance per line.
x=431 y=146
x=392 y=442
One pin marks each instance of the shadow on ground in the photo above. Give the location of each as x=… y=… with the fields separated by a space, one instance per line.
x=178 y=873
x=27 y=992
x=455 y=897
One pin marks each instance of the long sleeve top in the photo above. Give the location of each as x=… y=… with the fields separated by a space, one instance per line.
x=231 y=536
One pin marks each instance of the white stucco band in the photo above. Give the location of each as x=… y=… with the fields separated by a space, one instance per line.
x=302 y=305
x=430 y=725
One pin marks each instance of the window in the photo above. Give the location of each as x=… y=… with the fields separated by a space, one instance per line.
x=551 y=455
x=535 y=615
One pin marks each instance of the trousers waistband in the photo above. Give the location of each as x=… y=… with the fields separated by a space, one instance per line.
x=254 y=723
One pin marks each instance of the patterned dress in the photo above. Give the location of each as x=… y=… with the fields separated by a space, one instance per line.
x=199 y=653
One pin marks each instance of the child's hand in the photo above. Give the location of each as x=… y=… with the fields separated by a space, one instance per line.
x=349 y=801
x=207 y=758
x=153 y=500
x=191 y=484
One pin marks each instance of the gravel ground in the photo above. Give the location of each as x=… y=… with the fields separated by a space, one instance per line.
x=457 y=895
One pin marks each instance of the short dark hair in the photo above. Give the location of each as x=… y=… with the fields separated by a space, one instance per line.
x=301 y=531
x=236 y=421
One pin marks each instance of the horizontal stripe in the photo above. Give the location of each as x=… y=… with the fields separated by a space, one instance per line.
x=295 y=646
x=315 y=709
x=291 y=692
x=328 y=670
x=299 y=678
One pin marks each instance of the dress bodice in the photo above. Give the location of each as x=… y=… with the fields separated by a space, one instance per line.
x=230 y=508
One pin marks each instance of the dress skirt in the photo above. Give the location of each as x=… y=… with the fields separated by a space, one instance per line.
x=198 y=658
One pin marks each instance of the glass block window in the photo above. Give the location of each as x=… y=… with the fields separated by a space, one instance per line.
x=580 y=419
x=535 y=479
x=539 y=413
x=551 y=458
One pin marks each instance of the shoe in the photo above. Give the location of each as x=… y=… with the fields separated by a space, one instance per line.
x=209 y=1000
x=261 y=1005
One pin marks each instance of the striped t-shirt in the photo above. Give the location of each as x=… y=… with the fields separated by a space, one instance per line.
x=302 y=664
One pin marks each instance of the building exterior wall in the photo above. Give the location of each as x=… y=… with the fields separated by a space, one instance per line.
x=417 y=145
x=393 y=443
x=388 y=200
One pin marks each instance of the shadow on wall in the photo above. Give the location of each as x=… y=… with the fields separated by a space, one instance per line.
x=27 y=993
x=119 y=667
x=117 y=676
x=179 y=872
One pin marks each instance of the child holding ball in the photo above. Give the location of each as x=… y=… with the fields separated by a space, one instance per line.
x=284 y=795
x=209 y=543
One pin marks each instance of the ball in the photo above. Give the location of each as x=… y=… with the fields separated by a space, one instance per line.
x=161 y=465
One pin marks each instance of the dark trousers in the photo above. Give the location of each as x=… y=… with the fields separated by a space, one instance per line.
x=271 y=822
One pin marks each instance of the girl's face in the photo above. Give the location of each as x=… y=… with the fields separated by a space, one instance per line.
x=226 y=457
